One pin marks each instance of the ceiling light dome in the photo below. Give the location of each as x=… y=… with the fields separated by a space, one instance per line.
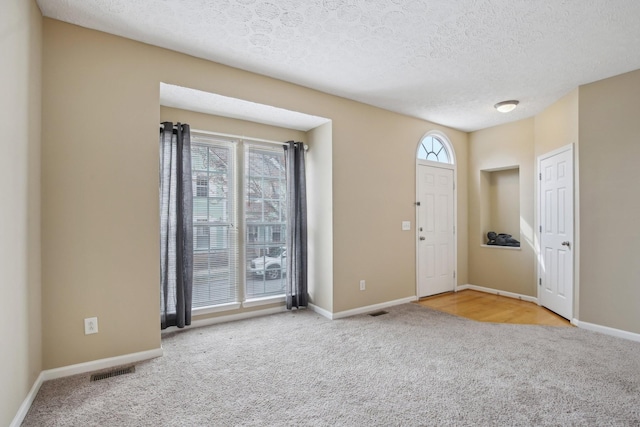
x=506 y=106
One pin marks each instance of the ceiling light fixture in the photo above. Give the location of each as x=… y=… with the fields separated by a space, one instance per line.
x=506 y=106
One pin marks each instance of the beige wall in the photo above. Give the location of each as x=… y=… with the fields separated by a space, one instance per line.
x=99 y=198
x=555 y=127
x=320 y=216
x=500 y=147
x=516 y=144
x=100 y=245
x=374 y=164
x=242 y=128
x=610 y=202
x=20 y=330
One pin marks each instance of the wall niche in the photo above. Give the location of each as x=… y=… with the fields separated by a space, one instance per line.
x=500 y=202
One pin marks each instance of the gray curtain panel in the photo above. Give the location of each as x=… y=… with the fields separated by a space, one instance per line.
x=296 y=279
x=176 y=225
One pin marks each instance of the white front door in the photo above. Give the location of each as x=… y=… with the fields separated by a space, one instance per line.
x=435 y=231
x=556 y=231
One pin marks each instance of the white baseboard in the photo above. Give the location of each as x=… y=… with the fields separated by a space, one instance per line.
x=618 y=333
x=80 y=368
x=497 y=292
x=369 y=308
x=96 y=365
x=229 y=318
x=321 y=311
x=26 y=403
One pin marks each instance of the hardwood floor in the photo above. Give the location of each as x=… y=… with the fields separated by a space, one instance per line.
x=485 y=307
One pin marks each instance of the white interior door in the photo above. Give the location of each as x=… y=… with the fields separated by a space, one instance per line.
x=556 y=232
x=435 y=231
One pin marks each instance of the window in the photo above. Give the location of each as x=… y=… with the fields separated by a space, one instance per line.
x=219 y=182
x=215 y=236
x=265 y=220
x=433 y=148
x=202 y=186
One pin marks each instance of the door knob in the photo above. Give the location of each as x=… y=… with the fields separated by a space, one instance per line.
x=422 y=238
x=566 y=243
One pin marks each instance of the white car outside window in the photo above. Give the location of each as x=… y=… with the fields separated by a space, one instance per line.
x=272 y=267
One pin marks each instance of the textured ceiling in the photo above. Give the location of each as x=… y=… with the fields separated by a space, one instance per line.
x=441 y=60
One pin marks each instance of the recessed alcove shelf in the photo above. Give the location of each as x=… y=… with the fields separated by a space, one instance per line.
x=500 y=203
x=511 y=248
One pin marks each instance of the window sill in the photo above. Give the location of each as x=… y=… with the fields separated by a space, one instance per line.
x=511 y=248
x=255 y=302
x=264 y=301
x=216 y=308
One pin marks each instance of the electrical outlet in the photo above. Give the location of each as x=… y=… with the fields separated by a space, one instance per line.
x=363 y=285
x=91 y=325
x=406 y=225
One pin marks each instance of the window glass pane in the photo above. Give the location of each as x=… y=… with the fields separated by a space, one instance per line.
x=273 y=211
x=433 y=149
x=199 y=156
x=422 y=152
x=200 y=211
x=253 y=211
x=444 y=156
x=265 y=221
x=202 y=237
x=202 y=186
x=437 y=146
x=219 y=159
x=218 y=209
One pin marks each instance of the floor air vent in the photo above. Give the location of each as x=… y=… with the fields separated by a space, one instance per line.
x=114 y=373
x=378 y=313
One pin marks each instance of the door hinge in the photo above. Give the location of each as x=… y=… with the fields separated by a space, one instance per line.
x=454 y=229
x=540 y=281
x=454 y=185
x=417 y=203
x=540 y=176
x=541 y=229
x=454 y=274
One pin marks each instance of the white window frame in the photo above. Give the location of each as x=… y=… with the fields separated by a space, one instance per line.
x=239 y=146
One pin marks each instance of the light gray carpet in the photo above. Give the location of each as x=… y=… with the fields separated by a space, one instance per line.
x=413 y=366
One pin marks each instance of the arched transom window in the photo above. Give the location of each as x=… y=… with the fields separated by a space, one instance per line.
x=433 y=148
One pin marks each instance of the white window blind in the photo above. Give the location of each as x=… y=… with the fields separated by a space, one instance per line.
x=215 y=234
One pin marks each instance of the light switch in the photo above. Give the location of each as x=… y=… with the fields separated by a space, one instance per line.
x=406 y=225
